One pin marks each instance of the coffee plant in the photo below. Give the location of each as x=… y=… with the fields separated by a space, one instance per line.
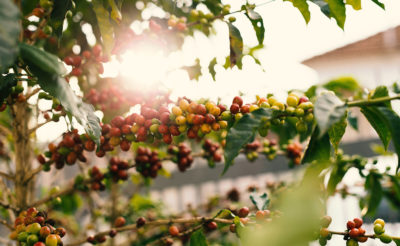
x=45 y=51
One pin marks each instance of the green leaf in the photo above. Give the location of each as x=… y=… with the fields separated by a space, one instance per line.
x=258 y=24
x=337 y=131
x=224 y=213
x=239 y=226
x=235 y=46
x=323 y=6
x=6 y=83
x=28 y=6
x=211 y=67
x=47 y=62
x=115 y=13
x=397 y=241
x=9 y=33
x=374 y=188
x=58 y=14
x=260 y=201
x=343 y=85
x=214 y=6
x=243 y=132
x=353 y=120
x=356 y=4
x=377 y=121
x=382 y=91
x=382 y=5
x=328 y=110
x=198 y=239
x=105 y=26
x=319 y=148
x=302 y=6
x=60 y=89
x=393 y=123
x=193 y=71
x=339 y=170
x=171 y=7
x=338 y=11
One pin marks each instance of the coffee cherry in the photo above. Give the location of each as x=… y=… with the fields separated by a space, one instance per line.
x=351 y=242
x=90 y=239
x=385 y=238
x=211 y=226
x=234 y=108
x=173 y=231
x=292 y=101
x=232 y=228
x=380 y=221
x=350 y=225
x=51 y=240
x=378 y=229
x=354 y=233
x=112 y=233
x=326 y=221
x=260 y=215
x=324 y=232
x=243 y=212
x=44 y=232
x=238 y=100
x=140 y=222
x=40 y=158
x=119 y=221
x=39 y=244
x=358 y=222
x=362 y=239
x=33 y=228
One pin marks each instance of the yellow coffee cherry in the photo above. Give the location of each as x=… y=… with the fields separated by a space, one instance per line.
x=180 y=120
x=253 y=107
x=265 y=105
x=205 y=128
x=182 y=128
x=209 y=105
x=306 y=105
x=134 y=128
x=189 y=118
x=216 y=111
x=216 y=126
x=176 y=111
x=223 y=124
x=280 y=105
x=183 y=104
x=272 y=100
x=292 y=101
x=114 y=141
x=238 y=116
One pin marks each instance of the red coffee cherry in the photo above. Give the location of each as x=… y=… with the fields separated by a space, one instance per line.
x=232 y=228
x=234 y=108
x=173 y=231
x=354 y=233
x=243 y=212
x=211 y=225
x=350 y=225
x=112 y=233
x=238 y=100
x=119 y=221
x=140 y=222
x=358 y=222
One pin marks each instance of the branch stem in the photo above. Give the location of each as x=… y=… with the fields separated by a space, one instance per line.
x=371 y=102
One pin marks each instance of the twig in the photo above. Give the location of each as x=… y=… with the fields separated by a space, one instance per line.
x=5 y=130
x=156 y=223
x=32 y=174
x=29 y=95
x=39 y=125
x=9 y=206
x=370 y=102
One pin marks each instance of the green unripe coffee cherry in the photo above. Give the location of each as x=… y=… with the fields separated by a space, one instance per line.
x=301 y=126
x=226 y=115
x=43 y=95
x=290 y=110
x=265 y=105
x=292 y=101
x=57 y=201
x=32 y=239
x=46 y=167
x=209 y=16
x=203 y=21
x=385 y=238
x=306 y=105
x=322 y=241
x=378 y=229
x=46 y=4
x=155 y=121
x=232 y=19
x=47 y=30
x=272 y=100
x=22 y=236
x=299 y=112
x=309 y=117
x=238 y=116
x=351 y=242
x=280 y=105
x=18 y=89
x=154 y=128
x=263 y=131
x=194 y=13
x=33 y=228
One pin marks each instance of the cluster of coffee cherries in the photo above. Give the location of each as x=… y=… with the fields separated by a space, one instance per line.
x=324 y=233
x=96 y=179
x=118 y=169
x=68 y=151
x=177 y=23
x=87 y=58
x=379 y=230
x=33 y=228
x=269 y=148
x=244 y=212
x=294 y=152
x=181 y=155
x=206 y=18
x=251 y=150
x=147 y=162
x=211 y=152
x=112 y=98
